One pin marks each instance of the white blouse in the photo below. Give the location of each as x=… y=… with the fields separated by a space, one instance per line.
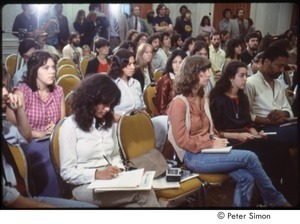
x=81 y=153
x=131 y=96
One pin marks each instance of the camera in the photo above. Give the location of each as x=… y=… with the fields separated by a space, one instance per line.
x=22 y=34
x=173 y=174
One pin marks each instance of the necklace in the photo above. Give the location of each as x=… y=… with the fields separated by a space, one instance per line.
x=236 y=110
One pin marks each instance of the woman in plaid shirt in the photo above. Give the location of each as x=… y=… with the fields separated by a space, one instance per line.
x=44 y=106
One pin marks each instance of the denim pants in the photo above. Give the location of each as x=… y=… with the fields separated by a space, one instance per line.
x=244 y=167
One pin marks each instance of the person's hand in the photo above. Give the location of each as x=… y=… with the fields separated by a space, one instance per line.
x=242 y=137
x=49 y=128
x=109 y=173
x=220 y=142
x=14 y=101
x=277 y=117
x=261 y=134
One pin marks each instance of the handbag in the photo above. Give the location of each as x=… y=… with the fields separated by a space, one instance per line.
x=153 y=160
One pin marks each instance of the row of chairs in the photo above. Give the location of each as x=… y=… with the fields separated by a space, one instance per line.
x=64 y=65
x=135 y=139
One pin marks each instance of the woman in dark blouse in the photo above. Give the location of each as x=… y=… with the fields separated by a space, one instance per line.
x=230 y=112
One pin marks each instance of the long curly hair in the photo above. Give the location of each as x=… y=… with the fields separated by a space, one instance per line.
x=188 y=78
x=233 y=43
x=119 y=61
x=92 y=91
x=224 y=84
x=37 y=60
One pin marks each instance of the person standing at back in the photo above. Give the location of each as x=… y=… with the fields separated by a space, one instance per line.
x=25 y=21
x=162 y=23
x=136 y=22
x=63 y=35
x=238 y=27
x=223 y=24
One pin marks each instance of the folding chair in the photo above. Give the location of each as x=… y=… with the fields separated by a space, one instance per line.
x=68 y=101
x=149 y=93
x=67 y=69
x=68 y=83
x=83 y=64
x=64 y=189
x=23 y=165
x=136 y=136
x=65 y=61
x=158 y=73
x=11 y=63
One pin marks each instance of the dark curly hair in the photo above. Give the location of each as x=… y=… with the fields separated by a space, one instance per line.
x=37 y=60
x=198 y=45
x=173 y=55
x=119 y=61
x=224 y=84
x=233 y=43
x=188 y=77
x=92 y=91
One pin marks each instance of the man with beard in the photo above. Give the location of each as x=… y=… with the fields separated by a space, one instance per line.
x=73 y=50
x=269 y=105
x=238 y=27
x=41 y=36
x=157 y=61
x=249 y=53
x=216 y=54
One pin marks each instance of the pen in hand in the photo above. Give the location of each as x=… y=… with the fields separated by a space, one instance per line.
x=107 y=160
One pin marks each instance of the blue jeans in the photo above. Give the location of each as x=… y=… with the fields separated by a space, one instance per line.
x=244 y=167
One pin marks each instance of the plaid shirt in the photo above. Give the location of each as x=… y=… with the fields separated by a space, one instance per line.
x=40 y=113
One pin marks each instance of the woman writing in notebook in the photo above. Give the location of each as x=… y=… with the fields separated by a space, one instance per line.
x=194 y=132
x=88 y=145
x=230 y=112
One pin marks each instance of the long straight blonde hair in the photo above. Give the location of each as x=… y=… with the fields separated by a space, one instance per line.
x=139 y=59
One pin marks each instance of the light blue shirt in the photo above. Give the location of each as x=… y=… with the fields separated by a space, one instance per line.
x=19 y=75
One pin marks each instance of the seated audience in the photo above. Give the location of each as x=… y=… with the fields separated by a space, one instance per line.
x=196 y=133
x=144 y=71
x=165 y=85
x=269 y=105
x=26 y=48
x=87 y=52
x=157 y=61
x=100 y=63
x=229 y=108
x=233 y=52
x=14 y=194
x=41 y=36
x=44 y=106
x=73 y=50
x=187 y=45
x=82 y=155
x=249 y=53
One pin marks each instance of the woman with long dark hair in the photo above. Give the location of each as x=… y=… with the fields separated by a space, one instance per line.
x=165 y=85
x=88 y=138
x=44 y=106
x=231 y=114
x=194 y=132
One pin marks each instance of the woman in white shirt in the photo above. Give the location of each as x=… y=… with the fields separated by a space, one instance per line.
x=121 y=71
x=88 y=141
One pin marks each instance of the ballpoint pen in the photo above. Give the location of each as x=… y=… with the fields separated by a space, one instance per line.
x=107 y=160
